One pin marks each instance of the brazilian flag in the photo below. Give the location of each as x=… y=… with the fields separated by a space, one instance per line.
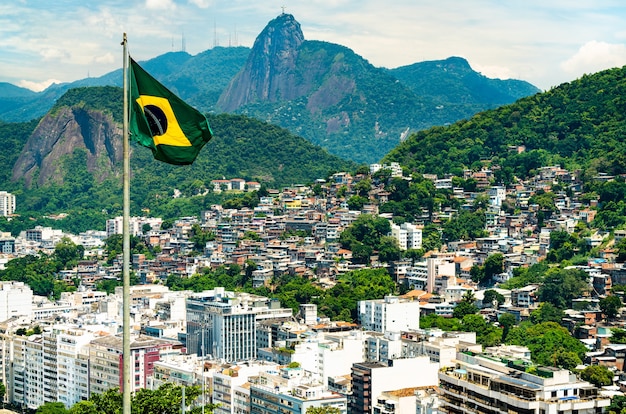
x=161 y=121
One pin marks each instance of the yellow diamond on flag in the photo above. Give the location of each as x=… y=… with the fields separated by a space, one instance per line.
x=162 y=121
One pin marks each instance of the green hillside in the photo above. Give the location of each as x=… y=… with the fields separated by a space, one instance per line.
x=579 y=125
x=241 y=148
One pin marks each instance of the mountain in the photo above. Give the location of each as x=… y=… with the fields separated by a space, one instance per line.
x=199 y=79
x=452 y=81
x=72 y=159
x=336 y=99
x=321 y=91
x=579 y=125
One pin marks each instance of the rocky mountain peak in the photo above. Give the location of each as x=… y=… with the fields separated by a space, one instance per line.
x=266 y=75
x=62 y=132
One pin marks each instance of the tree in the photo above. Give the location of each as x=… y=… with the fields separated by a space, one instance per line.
x=546 y=342
x=167 y=399
x=494 y=265
x=546 y=312
x=84 y=407
x=598 y=375
x=465 y=306
x=610 y=306
x=486 y=333
x=491 y=296
x=68 y=253
x=323 y=410
x=560 y=286
x=52 y=408
x=507 y=321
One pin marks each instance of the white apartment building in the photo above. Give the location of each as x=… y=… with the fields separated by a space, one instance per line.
x=16 y=299
x=408 y=235
x=389 y=314
x=72 y=360
x=115 y=225
x=7 y=204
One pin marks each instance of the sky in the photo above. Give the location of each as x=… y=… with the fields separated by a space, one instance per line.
x=544 y=42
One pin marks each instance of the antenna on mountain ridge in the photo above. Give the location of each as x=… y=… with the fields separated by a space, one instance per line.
x=183 y=45
x=215 y=41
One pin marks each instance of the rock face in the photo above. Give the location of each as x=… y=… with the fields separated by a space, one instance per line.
x=269 y=71
x=61 y=133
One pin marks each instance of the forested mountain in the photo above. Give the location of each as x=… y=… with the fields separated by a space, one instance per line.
x=321 y=91
x=453 y=82
x=71 y=160
x=338 y=100
x=579 y=125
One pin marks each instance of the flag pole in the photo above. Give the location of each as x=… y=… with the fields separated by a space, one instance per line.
x=126 y=356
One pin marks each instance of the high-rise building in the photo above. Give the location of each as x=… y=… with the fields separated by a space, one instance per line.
x=7 y=204
x=222 y=324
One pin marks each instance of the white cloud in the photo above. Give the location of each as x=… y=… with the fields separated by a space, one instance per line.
x=106 y=58
x=160 y=4
x=496 y=72
x=37 y=86
x=595 y=56
x=54 y=54
x=203 y=4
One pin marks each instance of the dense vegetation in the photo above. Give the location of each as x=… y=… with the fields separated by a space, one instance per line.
x=167 y=399
x=578 y=125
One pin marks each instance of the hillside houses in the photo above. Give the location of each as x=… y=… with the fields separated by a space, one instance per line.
x=297 y=231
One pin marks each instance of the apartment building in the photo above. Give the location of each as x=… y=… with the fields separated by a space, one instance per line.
x=389 y=314
x=478 y=384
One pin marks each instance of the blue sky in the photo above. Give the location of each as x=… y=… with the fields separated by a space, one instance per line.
x=545 y=42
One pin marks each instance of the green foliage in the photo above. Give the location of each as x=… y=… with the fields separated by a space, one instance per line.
x=578 y=125
x=105 y=98
x=507 y=321
x=323 y=410
x=524 y=276
x=598 y=375
x=466 y=305
x=610 y=306
x=167 y=399
x=38 y=272
x=546 y=341
x=547 y=312
x=618 y=404
x=560 y=286
x=436 y=321
x=67 y=253
x=366 y=234
x=113 y=246
x=486 y=333
x=491 y=295
x=618 y=336
x=464 y=308
x=466 y=226
x=52 y=408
